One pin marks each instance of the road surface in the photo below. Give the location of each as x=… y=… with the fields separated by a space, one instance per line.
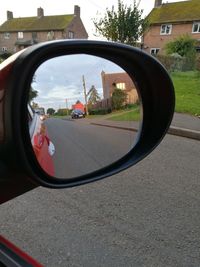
x=148 y=215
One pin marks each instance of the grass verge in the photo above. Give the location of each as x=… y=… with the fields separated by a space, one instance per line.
x=131 y=115
x=187 y=90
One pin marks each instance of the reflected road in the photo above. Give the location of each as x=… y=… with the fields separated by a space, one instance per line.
x=82 y=147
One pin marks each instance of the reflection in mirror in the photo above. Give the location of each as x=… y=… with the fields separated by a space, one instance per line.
x=84 y=114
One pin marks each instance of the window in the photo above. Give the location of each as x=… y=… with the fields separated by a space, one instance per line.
x=166 y=29
x=71 y=35
x=50 y=35
x=154 y=51
x=121 y=86
x=20 y=35
x=6 y=35
x=196 y=27
x=4 y=49
x=34 y=35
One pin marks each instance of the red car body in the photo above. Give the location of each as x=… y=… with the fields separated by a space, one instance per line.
x=40 y=141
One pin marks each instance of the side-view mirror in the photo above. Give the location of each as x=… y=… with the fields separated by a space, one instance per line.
x=73 y=145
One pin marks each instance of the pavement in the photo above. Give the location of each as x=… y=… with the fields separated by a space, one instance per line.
x=186 y=126
x=183 y=125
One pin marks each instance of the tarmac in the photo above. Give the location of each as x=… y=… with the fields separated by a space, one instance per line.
x=183 y=125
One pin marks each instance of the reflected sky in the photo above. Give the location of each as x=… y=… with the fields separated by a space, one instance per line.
x=61 y=78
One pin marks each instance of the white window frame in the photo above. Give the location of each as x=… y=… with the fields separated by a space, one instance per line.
x=71 y=35
x=20 y=35
x=121 y=86
x=196 y=23
x=50 y=35
x=4 y=49
x=154 y=51
x=165 y=29
x=6 y=35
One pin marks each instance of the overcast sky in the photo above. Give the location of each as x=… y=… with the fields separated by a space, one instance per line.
x=89 y=8
x=59 y=81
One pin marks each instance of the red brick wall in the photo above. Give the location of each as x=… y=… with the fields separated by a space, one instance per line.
x=110 y=81
x=78 y=28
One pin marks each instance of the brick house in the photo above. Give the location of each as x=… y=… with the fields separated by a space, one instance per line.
x=122 y=81
x=18 y=33
x=167 y=21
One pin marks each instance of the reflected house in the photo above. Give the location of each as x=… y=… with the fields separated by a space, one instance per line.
x=122 y=81
x=79 y=106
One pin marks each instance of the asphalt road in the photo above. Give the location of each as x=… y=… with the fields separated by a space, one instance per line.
x=82 y=148
x=146 y=216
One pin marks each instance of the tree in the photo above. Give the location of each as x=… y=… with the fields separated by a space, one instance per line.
x=32 y=94
x=183 y=45
x=124 y=25
x=93 y=96
x=118 y=98
x=50 y=111
x=34 y=105
x=62 y=112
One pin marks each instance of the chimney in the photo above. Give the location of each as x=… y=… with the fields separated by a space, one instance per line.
x=158 y=3
x=77 y=11
x=9 y=15
x=40 y=12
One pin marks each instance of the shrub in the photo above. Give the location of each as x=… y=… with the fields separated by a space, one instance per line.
x=101 y=111
x=118 y=99
x=176 y=62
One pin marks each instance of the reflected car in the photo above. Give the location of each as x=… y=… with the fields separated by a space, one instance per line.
x=77 y=113
x=42 y=146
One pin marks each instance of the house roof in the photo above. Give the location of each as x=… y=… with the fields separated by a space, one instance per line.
x=175 y=12
x=45 y=23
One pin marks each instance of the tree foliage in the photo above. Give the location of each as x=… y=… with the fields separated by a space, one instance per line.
x=93 y=96
x=183 y=45
x=34 y=105
x=62 y=112
x=124 y=25
x=118 y=99
x=32 y=94
x=50 y=111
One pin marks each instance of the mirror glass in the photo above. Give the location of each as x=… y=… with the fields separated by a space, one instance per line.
x=84 y=113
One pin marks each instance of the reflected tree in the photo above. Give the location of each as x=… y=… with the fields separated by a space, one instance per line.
x=50 y=111
x=118 y=99
x=93 y=96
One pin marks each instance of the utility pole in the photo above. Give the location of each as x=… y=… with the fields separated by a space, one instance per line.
x=66 y=105
x=85 y=96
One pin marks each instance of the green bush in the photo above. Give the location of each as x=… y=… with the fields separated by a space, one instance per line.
x=101 y=111
x=62 y=112
x=184 y=46
x=4 y=56
x=118 y=99
x=177 y=63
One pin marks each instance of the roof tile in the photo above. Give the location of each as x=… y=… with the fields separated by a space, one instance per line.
x=175 y=12
x=45 y=23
